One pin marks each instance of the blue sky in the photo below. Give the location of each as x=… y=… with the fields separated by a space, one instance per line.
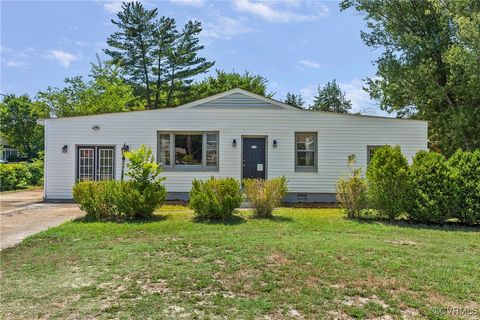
x=295 y=44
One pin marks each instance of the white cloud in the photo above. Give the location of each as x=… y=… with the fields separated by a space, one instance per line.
x=82 y=44
x=224 y=28
x=15 y=63
x=361 y=101
x=194 y=3
x=309 y=63
x=64 y=58
x=115 y=5
x=308 y=94
x=4 y=49
x=271 y=12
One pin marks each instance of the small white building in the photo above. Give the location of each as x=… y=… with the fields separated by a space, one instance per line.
x=233 y=134
x=7 y=152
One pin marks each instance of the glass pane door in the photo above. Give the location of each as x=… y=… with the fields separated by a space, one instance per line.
x=105 y=163
x=86 y=163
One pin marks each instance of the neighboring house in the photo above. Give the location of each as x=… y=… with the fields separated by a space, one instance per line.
x=233 y=134
x=7 y=152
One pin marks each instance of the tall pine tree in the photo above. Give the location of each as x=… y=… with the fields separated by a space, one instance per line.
x=134 y=44
x=184 y=62
x=295 y=100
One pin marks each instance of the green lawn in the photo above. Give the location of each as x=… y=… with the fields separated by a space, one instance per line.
x=309 y=263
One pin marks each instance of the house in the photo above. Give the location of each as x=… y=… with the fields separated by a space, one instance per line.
x=8 y=153
x=232 y=134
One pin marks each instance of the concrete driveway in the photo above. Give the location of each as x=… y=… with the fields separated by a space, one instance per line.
x=23 y=214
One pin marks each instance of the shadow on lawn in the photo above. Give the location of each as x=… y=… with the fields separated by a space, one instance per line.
x=447 y=226
x=234 y=220
x=151 y=219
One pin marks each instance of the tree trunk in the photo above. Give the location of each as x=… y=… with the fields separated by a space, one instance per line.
x=170 y=90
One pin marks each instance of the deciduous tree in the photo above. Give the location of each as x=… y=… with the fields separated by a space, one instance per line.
x=18 y=122
x=429 y=68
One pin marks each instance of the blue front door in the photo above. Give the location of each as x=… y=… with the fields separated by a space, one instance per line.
x=254 y=160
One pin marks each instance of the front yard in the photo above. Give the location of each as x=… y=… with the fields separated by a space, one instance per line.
x=304 y=263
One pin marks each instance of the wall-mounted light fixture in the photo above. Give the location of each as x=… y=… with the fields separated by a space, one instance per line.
x=234 y=143
x=96 y=128
x=125 y=148
x=274 y=143
x=64 y=149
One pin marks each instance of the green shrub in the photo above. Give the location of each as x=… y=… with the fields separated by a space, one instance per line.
x=14 y=176
x=351 y=191
x=36 y=173
x=265 y=195
x=388 y=187
x=465 y=168
x=215 y=199
x=97 y=199
x=136 y=198
x=8 y=181
x=433 y=194
x=134 y=201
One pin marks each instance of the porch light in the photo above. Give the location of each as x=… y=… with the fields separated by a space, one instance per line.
x=96 y=128
x=64 y=149
x=125 y=148
x=274 y=143
x=234 y=143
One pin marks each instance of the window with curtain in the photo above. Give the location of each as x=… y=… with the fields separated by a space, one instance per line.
x=306 y=151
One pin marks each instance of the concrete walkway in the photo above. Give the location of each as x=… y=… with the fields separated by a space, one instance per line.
x=23 y=214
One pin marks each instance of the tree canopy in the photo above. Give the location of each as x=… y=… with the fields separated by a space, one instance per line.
x=295 y=100
x=158 y=59
x=331 y=98
x=224 y=81
x=18 y=123
x=106 y=91
x=429 y=68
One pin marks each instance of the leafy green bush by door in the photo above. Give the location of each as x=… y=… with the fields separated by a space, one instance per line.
x=215 y=198
x=136 y=198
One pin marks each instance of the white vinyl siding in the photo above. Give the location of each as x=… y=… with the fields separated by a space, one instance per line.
x=337 y=137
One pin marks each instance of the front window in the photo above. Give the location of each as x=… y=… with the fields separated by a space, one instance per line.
x=188 y=150
x=306 y=151
x=371 y=151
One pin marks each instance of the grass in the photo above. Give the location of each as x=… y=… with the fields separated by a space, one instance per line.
x=22 y=188
x=309 y=263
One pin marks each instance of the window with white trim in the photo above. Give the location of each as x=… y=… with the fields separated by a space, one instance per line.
x=371 y=151
x=306 y=151
x=188 y=151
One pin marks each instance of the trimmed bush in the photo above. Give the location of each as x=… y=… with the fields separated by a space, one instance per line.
x=388 y=186
x=465 y=168
x=433 y=193
x=97 y=199
x=215 y=199
x=352 y=191
x=265 y=195
x=14 y=176
x=8 y=181
x=36 y=172
x=136 y=198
